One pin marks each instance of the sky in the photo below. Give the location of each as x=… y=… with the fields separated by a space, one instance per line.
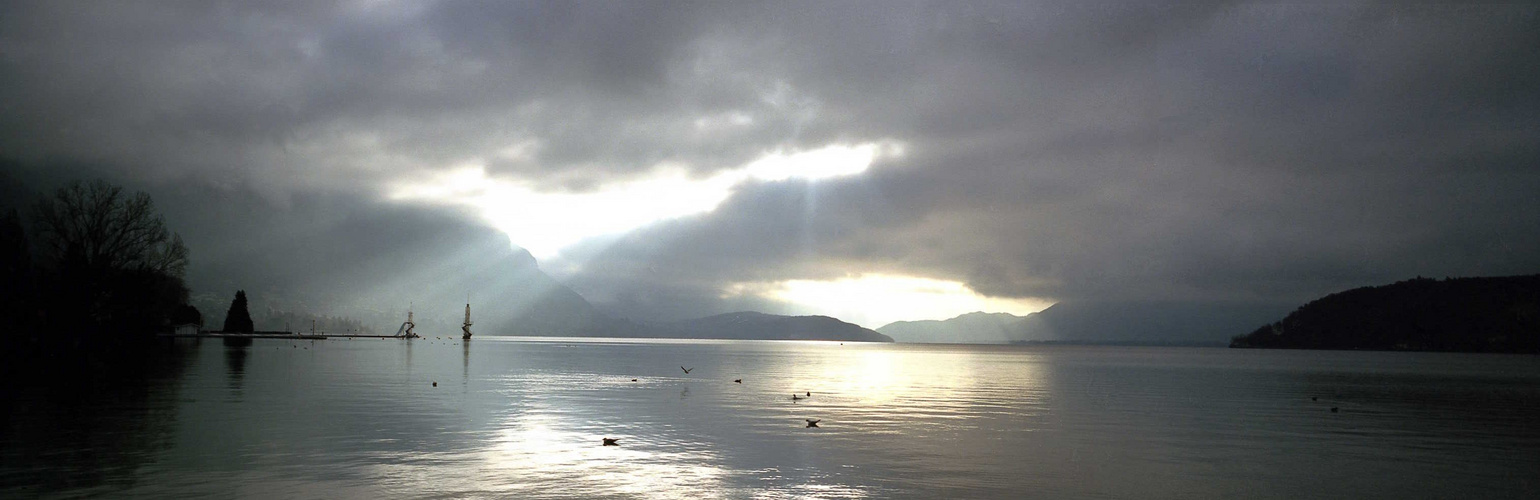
x=875 y=161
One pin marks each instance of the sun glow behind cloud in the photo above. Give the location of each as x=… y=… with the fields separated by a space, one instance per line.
x=874 y=300
x=547 y=222
x=824 y=163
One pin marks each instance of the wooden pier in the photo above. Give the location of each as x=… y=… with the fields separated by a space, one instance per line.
x=275 y=335
x=257 y=335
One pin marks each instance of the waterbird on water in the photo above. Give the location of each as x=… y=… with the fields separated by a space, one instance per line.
x=813 y=422
x=795 y=397
x=737 y=381
x=686 y=370
x=611 y=441
x=1334 y=409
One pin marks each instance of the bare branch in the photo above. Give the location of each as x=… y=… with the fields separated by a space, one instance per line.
x=95 y=226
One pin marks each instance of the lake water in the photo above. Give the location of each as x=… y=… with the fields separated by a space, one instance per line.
x=523 y=418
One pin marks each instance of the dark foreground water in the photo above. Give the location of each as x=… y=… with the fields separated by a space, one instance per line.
x=524 y=418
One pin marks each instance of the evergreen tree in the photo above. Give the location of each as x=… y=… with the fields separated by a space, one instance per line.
x=238 y=319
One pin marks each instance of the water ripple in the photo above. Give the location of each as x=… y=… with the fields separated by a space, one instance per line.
x=511 y=418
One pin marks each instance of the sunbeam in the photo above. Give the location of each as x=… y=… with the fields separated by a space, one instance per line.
x=546 y=222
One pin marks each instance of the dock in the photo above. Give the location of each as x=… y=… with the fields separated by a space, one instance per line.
x=257 y=335
x=275 y=335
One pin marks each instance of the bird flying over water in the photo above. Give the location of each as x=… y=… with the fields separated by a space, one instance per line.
x=813 y=422
x=686 y=370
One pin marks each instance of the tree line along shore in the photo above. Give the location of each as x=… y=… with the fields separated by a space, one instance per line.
x=1487 y=314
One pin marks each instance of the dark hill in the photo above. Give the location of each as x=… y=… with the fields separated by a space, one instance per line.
x=1500 y=314
x=1146 y=322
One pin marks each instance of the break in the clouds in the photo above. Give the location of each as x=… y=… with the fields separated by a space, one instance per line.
x=677 y=159
x=615 y=208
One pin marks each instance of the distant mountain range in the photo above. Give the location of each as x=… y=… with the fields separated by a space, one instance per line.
x=755 y=325
x=971 y=328
x=1087 y=322
x=1497 y=314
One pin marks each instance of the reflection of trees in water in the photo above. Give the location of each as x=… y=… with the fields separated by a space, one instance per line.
x=76 y=433
x=235 y=365
x=90 y=392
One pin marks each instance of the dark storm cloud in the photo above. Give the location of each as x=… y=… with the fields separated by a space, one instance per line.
x=1088 y=150
x=601 y=89
x=1252 y=152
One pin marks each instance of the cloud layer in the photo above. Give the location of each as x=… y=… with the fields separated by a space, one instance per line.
x=1206 y=151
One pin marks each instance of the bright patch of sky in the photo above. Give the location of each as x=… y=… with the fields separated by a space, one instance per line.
x=545 y=222
x=874 y=300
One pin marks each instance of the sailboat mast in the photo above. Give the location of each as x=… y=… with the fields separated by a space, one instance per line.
x=467 y=326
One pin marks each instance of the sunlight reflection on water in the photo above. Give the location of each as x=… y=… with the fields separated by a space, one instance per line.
x=525 y=417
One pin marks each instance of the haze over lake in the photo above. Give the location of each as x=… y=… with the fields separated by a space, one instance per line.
x=524 y=418
x=568 y=183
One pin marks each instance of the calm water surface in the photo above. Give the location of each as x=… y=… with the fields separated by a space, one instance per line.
x=524 y=418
